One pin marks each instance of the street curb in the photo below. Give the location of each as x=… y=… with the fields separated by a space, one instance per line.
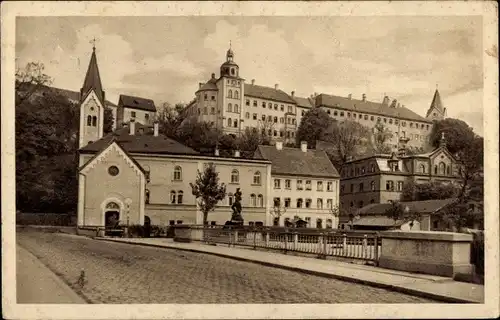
x=413 y=292
x=57 y=277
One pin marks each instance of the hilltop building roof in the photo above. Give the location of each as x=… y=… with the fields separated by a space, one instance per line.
x=139 y=103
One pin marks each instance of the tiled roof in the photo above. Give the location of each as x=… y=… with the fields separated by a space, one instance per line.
x=354 y=105
x=303 y=102
x=136 y=103
x=267 y=93
x=209 y=86
x=293 y=161
x=143 y=141
x=93 y=79
x=426 y=206
x=377 y=221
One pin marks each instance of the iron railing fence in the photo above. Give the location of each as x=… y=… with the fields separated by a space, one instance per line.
x=330 y=242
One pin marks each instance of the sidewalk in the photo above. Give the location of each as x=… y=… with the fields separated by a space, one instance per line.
x=427 y=286
x=37 y=284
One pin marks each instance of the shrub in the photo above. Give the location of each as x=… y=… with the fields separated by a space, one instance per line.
x=136 y=230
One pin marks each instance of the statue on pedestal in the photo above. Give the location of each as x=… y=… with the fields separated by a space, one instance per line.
x=236 y=217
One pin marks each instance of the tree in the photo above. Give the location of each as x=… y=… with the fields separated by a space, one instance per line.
x=398 y=212
x=429 y=191
x=108 y=120
x=170 y=119
x=458 y=134
x=458 y=215
x=207 y=190
x=348 y=139
x=312 y=126
x=199 y=135
x=381 y=137
x=29 y=80
x=250 y=140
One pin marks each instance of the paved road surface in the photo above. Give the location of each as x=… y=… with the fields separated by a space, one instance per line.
x=122 y=273
x=35 y=283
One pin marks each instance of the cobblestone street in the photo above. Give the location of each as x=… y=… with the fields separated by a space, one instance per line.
x=122 y=273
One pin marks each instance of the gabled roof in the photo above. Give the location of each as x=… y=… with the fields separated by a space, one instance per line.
x=111 y=142
x=377 y=221
x=267 y=93
x=325 y=100
x=136 y=103
x=92 y=79
x=295 y=162
x=426 y=206
x=143 y=141
x=303 y=102
x=436 y=103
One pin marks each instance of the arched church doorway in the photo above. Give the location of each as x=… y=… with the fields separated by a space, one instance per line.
x=147 y=227
x=112 y=216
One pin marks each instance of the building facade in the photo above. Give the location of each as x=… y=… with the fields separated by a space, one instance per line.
x=305 y=185
x=232 y=105
x=381 y=178
x=139 y=109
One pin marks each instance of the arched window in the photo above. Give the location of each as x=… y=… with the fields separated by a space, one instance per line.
x=177 y=173
x=236 y=95
x=442 y=168
x=147 y=196
x=319 y=203
x=229 y=107
x=94 y=121
x=435 y=169
x=299 y=203
x=230 y=94
x=235 y=176
x=230 y=198
x=112 y=205
x=256 y=178
x=236 y=108
x=180 y=196
x=229 y=122
x=448 y=170
x=172 y=197
x=422 y=168
x=319 y=223
x=260 y=201
x=372 y=186
x=253 y=200
x=89 y=120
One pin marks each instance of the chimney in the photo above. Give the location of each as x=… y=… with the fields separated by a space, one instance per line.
x=386 y=101
x=364 y=97
x=216 y=152
x=253 y=82
x=213 y=75
x=349 y=96
x=399 y=105
x=394 y=103
x=132 y=127
x=303 y=146
x=293 y=94
x=237 y=153
x=279 y=145
x=155 y=126
x=200 y=84
x=276 y=87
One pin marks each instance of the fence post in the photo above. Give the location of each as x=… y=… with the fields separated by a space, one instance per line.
x=376 y=249
x=325 y=243
x=295 y=241
x=267 y=239
x=365 y=245
x=254 y=240
x=235 y=238
x=286 y=241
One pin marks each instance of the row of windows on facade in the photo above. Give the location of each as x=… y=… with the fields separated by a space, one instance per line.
x=441 y=169
x=308 y=185
x=319 y=222
x=299 y=203
x=379 y=119
x=270 y=106
x=271 y=119
x=235 y=175
x=389 y=186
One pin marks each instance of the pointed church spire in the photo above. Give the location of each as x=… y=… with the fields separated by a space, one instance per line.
x=92 y=78
x=436 y=101
x=436 y=110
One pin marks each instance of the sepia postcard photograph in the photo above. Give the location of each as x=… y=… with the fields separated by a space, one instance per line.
x=250 y=160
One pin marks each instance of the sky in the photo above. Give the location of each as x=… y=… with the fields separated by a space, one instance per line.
x=164 y=58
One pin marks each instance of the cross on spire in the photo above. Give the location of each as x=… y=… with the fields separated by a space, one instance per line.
x=93 y=41
x=229 y=44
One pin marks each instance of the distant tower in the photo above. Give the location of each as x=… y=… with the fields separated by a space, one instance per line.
x=436 y=110
x=91 y=104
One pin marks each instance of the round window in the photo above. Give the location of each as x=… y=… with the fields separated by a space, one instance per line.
x=113 y=170
x=91 y=108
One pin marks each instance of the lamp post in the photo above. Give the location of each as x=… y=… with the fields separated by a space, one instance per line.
x=128 y=202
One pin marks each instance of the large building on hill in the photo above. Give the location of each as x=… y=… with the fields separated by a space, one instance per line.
x=381 y=178
x=135 y=174
x=230 y=103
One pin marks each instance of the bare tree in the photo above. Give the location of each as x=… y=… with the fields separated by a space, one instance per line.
x=381 y=136
x=29 y=80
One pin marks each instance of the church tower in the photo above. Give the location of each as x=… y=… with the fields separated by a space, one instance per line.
x=436 y=110
x=91 y=105
x=231 y=91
